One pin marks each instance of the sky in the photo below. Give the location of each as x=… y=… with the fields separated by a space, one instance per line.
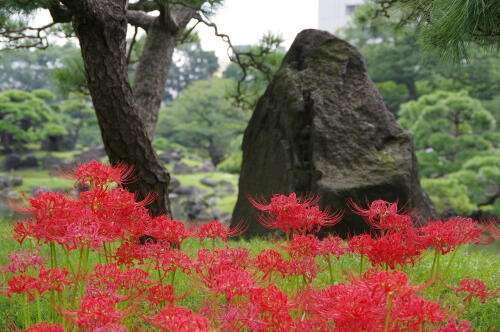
x=246 y=21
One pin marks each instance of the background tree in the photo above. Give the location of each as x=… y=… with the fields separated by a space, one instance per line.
x=252 y=68
x=449 y=26
x=403 y=70
x=127 y=116
x=30 y=70
x=203 y=119
x=78 y=115
x=27 y=117
x=69 y=75
x=457 y=149
x=191 y=63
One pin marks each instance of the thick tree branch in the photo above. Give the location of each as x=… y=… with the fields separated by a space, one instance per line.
x=60 y=13
x=145 y=6
x=176 y=17
x=140 y=19
x=132 y=43
x=490 y=200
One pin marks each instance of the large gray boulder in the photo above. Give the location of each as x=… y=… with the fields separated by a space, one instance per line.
x=322 y=128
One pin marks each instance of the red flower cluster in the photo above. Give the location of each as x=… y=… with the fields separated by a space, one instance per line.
x=21 y=261
x=379 y=299
x=395 y=248
x=45 y=327
x=447 y=236
x=293 y=215
x=48 y=280
x=383 y=215
x=133 y=287
x=215 y=229
x=473 y=288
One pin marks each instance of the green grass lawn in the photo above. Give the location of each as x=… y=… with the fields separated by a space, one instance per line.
x=41 y=178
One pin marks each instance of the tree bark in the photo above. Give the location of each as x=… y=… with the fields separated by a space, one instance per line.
x=151 y=74
x=155 y=62
x=101 y=27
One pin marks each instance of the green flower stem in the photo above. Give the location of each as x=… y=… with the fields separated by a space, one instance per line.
x=52 y=255
x=27 y=314
x=388 y=307
x=436 y=270
x=68 y=260
x=329 y=261
x=304 y=280
x=38 y=310
x=173 y=277
x=433 y=267
x=361 y=266
x=450 y=262
x=160 y=278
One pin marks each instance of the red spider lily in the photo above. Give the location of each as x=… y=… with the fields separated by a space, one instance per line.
x=269 y=261
x=162 y=293
x=130 y=251
x=216 y=229
x=110 y=328
x=473 y=288
x=387 y=282
x=48 y=280
x=452 y=326
x=447 y=236
x=363 y=305
x=303 y=266
x=96 y=174
x=176 y=319
x=96 y=312
x=331 y=246
x=90 y=221
x=349 y=308
x=303 y=246
x=242 y=317
x=162 y=229
x=383 y=215
x=311 y=324
x=175 y=259
x=233 y=282
x=51 y=214
x=110 y=278
x=291 y=214
x=53 y=279
x=210 y=264
x=45 y=327
x=273 y=306
x=360 y=244
x=22 y=284
x=21 y=261
x=395 y=248
x=414 y=312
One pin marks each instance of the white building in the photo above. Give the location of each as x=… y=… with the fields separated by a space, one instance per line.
x=334 y=14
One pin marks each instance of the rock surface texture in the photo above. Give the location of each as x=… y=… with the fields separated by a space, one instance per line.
x=322 y=128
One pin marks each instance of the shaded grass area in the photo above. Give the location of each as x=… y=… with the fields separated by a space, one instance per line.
x=470 y=261
x=41 y=178
x=44 y=178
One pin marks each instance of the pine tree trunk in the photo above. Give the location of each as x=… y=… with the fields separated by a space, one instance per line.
x=101 y=28
x=152 y=71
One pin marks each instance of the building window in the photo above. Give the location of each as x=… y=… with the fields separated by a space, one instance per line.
x=349 y=9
